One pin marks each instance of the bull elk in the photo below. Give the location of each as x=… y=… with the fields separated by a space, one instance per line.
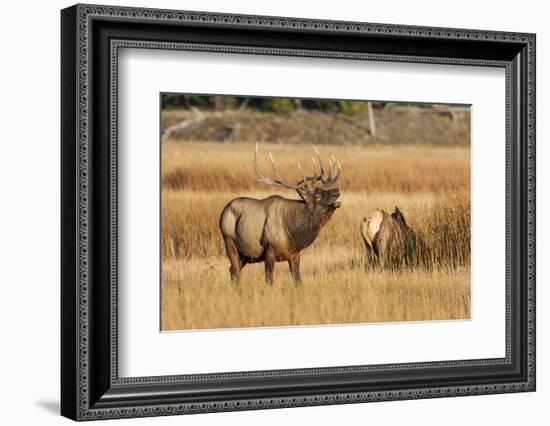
x=390 y=242
x=277 y=229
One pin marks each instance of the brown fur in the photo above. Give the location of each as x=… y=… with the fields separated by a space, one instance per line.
x=389 y=242
x=274 y=229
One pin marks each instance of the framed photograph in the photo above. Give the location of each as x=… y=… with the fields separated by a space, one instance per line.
x=263 y=212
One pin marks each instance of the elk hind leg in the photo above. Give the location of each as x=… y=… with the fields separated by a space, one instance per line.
x=234 y=258
x=369 y=228
x=371 y=258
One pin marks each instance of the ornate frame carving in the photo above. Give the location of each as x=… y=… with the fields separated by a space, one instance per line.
x=85 y=398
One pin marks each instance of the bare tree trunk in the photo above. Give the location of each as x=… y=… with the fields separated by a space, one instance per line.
x=170 y=131
x=372 y=124
x=218 y=102
x=233 y=132
x=244 y=104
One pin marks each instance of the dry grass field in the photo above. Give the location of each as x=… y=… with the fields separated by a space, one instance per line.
x=430 y=184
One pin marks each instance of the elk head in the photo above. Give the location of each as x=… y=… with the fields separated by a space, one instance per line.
x=314 y=190
x=398 y=216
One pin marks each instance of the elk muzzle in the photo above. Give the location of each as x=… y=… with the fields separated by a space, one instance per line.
x=333 y=196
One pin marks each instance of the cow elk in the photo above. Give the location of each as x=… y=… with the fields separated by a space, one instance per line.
x=277 y=229
x=390 y=243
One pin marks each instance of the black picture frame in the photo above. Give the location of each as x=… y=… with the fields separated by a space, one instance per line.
x=90 y=386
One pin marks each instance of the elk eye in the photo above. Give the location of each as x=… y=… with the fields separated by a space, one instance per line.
x=317 y=196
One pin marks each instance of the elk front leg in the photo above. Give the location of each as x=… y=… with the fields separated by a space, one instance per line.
x=234 y=258
x=294 y=265
x=269 y=265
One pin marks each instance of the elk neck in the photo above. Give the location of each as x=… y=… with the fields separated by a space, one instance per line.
x=303 y=225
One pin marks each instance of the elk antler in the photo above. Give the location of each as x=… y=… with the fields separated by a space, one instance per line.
x=307 y=181
x=277 y=181
x=334 y=166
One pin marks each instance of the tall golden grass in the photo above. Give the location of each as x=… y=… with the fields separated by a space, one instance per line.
x=206 y=167
x=431 y=186
x=198 y=295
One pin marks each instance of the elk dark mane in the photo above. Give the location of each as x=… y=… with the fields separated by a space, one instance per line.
x=303 y=225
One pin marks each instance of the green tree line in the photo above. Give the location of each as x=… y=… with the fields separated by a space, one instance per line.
x=278 y=105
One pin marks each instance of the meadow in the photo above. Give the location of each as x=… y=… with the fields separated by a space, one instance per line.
x=430 y=185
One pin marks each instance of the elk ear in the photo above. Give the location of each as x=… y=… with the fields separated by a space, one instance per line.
x=398 y=215
x=305 y=195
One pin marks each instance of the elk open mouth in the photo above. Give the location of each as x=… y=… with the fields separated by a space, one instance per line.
x=334 y=194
